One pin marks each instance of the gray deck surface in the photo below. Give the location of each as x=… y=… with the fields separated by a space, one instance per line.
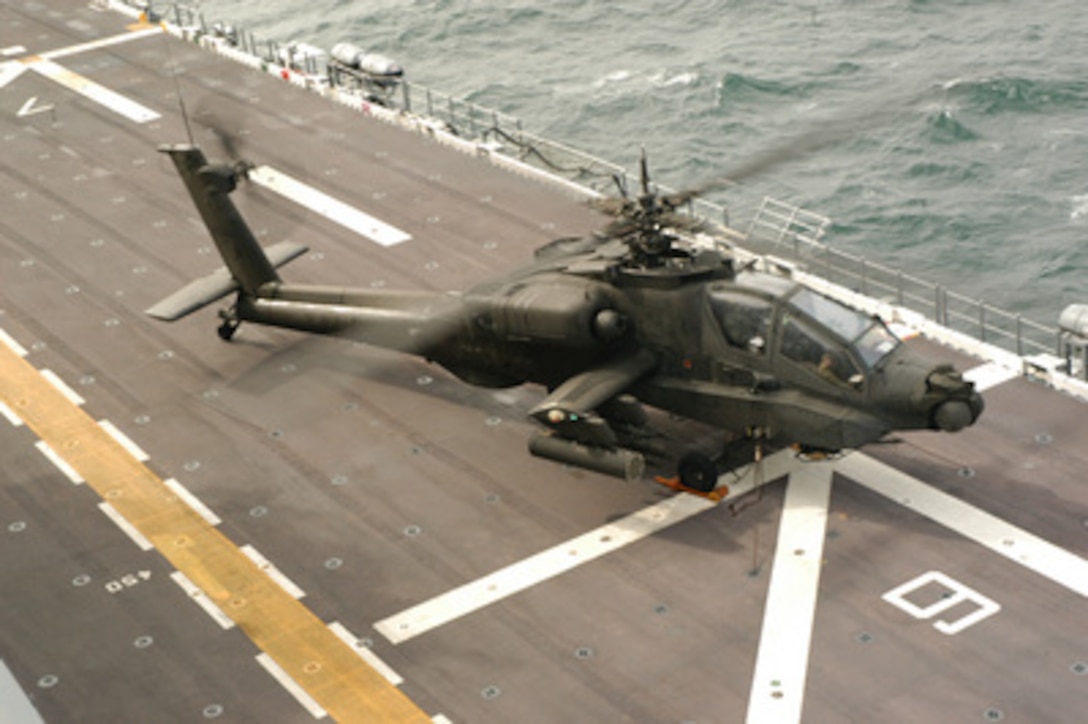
x=376 y=482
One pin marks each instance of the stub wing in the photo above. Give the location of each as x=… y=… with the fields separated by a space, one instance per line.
x=578 y=435
x=569 y=409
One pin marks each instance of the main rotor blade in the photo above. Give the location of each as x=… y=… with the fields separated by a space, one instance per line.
x=820 y=134
x=610 y=205
x=221 y=129
x=644 y=172
x=227 y=140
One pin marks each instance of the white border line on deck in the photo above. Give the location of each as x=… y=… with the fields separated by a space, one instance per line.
x=364 y=653
x=285 y=680
x=197 y=596
x=124 y=441
x=62 y=464
x=14 y=346
x=778 y=683
x=11 y=417
x=192 y=501
x=274 y=573
x=55 y=380
x=128 y=528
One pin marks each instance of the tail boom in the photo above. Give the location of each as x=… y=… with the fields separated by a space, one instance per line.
x=414 y=322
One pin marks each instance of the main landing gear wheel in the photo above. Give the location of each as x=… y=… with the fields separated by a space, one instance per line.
x=698 y=472
x=227 y=329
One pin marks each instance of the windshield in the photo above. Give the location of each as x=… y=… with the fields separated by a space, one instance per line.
x=876 y=343
x=868 y=335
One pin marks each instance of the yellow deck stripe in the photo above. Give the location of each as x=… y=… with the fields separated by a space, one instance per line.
x=328 y=670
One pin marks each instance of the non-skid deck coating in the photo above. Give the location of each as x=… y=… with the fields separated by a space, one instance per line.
x=355 y=487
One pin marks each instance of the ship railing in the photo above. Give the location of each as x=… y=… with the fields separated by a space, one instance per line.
x=777 y=231
x=776 y=227
x=462 y=117
x=505 y=133
x=785 y=223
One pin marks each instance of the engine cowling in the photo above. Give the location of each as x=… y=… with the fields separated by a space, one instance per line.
x=580 y=314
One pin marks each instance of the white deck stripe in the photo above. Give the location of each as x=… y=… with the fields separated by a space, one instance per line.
x=274 y=573
x=778 y=684
x=292 y=686
x=366 y=654
x=103 y=42
x=89 y=89
x=12 y=344
x=540 y=567
x=1015 y=544
x=554 y=561
x=61 y=463
x=18 y=707
x=197 y=596
x=193 y=502
x=11 y=417
x=333 y=209
x=129 y=529
x=10 y=70
x=71 y=395
x=123 y=440
x=989 y=375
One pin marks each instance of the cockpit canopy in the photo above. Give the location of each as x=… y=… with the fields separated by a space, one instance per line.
x=867 y=335
x=805 y=338
x=838 y=343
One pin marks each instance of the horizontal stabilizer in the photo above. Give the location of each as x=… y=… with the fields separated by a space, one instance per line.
x=213 y=287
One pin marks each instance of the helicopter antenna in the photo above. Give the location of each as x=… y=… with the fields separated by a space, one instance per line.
x=177 y=87
x=644 y=173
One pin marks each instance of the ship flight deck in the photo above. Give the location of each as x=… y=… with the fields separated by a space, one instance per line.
x=290 y=528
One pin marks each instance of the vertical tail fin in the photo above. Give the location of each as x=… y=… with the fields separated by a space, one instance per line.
x=210 y=185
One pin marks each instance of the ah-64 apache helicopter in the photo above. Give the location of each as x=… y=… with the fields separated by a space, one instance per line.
x=628 y=316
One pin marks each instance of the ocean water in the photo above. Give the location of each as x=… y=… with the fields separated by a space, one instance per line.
x=948 y=138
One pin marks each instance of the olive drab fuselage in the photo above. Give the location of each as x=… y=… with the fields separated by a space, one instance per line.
x=604 y=323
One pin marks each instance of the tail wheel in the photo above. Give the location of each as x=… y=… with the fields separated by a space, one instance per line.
x=227 y=329
x=698 y=472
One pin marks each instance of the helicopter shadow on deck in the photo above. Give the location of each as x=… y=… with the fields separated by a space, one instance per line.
x=747 y=525
x=372 y=365
x=728 y=533
x=297 y=355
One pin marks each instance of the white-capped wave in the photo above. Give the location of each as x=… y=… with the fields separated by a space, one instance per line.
x=616 y=76
x=1080 y=208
